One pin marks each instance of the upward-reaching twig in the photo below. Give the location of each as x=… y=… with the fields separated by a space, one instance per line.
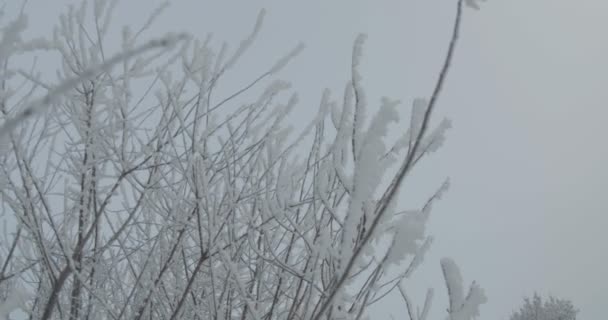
x=35 y=106
x=406 y=166
x=187 y=205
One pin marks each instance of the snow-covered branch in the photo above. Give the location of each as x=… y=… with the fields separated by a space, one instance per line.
x=153 y=191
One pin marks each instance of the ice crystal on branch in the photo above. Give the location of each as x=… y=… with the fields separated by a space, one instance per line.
x=153 y=191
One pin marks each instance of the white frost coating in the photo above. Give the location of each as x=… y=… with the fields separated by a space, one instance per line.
x=453 y=280
x=368 y=173
x=319 y=118
x=436 y=197
x=68 y=84
x=285 y=60
x=461 y=308
x=400 y=144
x=324 y=244
x=358 y=49
x=388 y=159
x=473 y=4
x=281 y=111
x=220 y=59
x=247 y=42
x=470 y=308
x=428 y=301
x=284 y=190
x=198 y=67
x=155 y=14
x=409 y=232
x=252 y=306
x=419 y=256
x=435 y=140
x=14 y=301
x=344 y=128
x=379 y=126
x=359 y=94
x=419 y=107
x=223 y=200
x=271 y=90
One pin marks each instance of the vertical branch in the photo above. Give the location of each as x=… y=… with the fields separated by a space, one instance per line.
x=405 y=167
x=134 y=174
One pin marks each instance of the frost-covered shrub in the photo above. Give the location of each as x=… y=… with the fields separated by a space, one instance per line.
x=131 y=189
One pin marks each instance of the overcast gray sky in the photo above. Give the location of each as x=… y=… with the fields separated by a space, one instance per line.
x=527 y=154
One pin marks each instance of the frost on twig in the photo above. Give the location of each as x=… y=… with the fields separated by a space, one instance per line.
x=193 y=201
x=54 y=94
x=473 y=4
x=365 y=215
x=247 y=42
x=461 y=307
x=417 y=314
x=15 y=300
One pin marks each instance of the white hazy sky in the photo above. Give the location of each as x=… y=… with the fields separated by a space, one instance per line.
x=527 y=156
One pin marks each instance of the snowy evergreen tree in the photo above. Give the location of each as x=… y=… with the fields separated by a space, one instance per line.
x=549 y=309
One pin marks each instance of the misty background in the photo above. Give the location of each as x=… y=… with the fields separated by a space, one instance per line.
x=526 y=156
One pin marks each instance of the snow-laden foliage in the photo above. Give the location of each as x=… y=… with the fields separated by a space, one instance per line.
x=461 y=307
x=135 y=187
